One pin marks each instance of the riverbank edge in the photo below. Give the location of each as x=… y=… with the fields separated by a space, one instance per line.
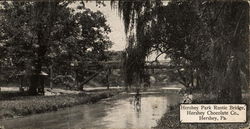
x=171 y=120
x=28 y=105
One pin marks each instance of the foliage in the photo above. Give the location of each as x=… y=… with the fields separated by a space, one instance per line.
x=36 y=35
x=85 y=49
x=226 y=25
x=133 y=13
x=205 y=40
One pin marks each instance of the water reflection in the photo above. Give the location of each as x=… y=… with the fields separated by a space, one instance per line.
x=138 y=114
x=137 y=102
x=129 y=112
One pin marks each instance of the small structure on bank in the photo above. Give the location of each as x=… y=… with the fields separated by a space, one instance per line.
x=23 y=80
x=26 y=78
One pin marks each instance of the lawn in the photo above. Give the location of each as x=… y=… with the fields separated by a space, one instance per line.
x=17 y=106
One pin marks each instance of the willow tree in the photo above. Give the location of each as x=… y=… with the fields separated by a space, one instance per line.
x=207 y=39
x=136 y=15
x=227 y=28
x=148 y=25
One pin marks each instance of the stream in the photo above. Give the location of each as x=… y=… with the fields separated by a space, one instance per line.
x=122 y=112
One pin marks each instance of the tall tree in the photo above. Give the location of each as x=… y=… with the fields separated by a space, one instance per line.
x=84 y=50
x=39 y=34
x=29 y=31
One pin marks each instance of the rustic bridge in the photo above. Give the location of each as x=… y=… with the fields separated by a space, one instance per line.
x=108 y=66
x=118 y=65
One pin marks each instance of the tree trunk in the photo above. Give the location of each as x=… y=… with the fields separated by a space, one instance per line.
x=51 y=77
x=35 y=78
x=43 y=37
x=38 y=63
x=108 y=78
x=33 y=85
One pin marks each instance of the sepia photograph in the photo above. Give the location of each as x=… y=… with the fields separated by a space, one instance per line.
x=124 y=64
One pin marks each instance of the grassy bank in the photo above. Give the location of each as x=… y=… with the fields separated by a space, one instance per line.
x=26 y=105
x=171 y=119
